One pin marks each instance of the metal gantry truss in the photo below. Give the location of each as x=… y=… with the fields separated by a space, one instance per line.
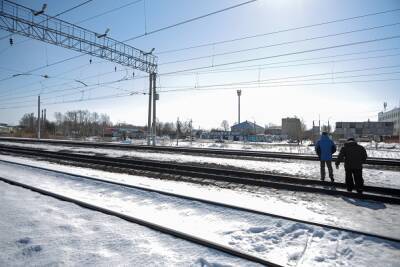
x=25 y=21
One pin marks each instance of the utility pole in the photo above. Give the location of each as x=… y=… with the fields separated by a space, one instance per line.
x=190 y=127
x=44 y=122
x=239 y=93
x=149 y=114
x=38 y=119
x=155 y=98
x=319 y=124
x=313 y=132
x=177 y=131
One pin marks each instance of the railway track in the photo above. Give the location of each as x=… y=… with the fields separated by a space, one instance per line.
x=381 y=194
x=198 y=151
x=206 y=201
x=151 y=225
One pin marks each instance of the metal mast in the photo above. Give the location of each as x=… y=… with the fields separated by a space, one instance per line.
x=25 y=21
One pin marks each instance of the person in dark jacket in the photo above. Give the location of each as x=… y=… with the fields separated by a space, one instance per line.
x=354 y=157
x=325 y=147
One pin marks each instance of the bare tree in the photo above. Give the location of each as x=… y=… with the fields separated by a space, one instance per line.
x=225 y=125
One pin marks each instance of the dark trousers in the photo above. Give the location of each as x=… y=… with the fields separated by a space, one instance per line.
x=354 y=180
x=330 y=170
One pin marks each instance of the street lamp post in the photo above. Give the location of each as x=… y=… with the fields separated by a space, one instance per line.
x=239 y=93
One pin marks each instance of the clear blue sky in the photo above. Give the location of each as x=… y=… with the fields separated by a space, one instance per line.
x=334 y=96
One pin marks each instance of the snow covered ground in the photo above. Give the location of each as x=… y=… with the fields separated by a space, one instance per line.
x=37 y=230
x=301 y=168
x=278 y=240
x=379 y=150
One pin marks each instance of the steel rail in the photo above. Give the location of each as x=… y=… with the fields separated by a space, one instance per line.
x=247 y=178
x=225 y=152
x=153 y=226
x=207 y=201
x=225 y=171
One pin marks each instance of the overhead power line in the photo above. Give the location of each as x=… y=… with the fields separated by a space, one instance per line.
x=86 y=88
x=285 y=54
x=283 y=85
x=278 y=31
x=290 y=29
x=279 y=79
x=288 y=79
x=260 y=67
x=132 y=38
x=190 y=20
x=280 y=44
x=71 y=88
x=107 y=97
x=109 y=11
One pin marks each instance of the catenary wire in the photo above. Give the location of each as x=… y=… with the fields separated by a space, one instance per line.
x=286 y=54
x=279 y=31
x=190 y=20
x=280 y=44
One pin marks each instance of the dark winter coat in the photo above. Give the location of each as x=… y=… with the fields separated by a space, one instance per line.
x=325 y=147
x=353 y=154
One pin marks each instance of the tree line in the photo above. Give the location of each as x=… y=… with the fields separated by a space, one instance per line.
x=76 y=123
x=83 y=123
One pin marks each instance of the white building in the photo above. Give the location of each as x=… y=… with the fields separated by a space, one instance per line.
x=391 y=116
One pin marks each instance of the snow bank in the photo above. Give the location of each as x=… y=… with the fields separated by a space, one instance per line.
x=282 y=241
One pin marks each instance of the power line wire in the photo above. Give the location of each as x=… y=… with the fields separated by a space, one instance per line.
x=225 y=70
x=280 y=44
x=285 y=54
x=292 y=77
x=190 y=20
x=270 y=65
x=109 y=11
x=268 y=81
x=282 y=85
x=108 y=97
x=279 y=31
x=290 y=29
x=87 y=87
x=74 y=88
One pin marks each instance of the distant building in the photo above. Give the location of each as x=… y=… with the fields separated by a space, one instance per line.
x=370 y=129
x=291 y=127
x=5 y=129
x=218 y=134
x=246 y=128
x=273 y=130
x=391 y=116
x=133 y=132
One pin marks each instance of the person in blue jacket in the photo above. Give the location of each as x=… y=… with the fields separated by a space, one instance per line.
x=325 y=147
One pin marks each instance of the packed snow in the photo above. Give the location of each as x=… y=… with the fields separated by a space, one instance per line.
x=374 y=149
x=300 y=168
x=37 y=230
x=278 y=240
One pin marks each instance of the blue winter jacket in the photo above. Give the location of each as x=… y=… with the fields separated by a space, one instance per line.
x=325 y=147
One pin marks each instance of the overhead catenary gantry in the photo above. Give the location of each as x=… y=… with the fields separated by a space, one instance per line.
x=37 y=25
